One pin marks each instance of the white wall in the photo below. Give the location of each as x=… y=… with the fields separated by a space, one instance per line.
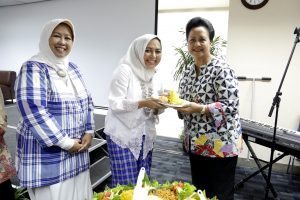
x=259 y=44
x=104 y=30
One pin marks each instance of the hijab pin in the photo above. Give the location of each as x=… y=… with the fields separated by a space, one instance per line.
x=61 y=73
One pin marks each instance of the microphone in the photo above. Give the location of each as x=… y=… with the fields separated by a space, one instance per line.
x=297 y=31
x=241 y=77
x=266 y=78
x=244 y=78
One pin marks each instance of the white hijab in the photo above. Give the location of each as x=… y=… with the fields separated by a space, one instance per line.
x=45 y=54
x=134 y=58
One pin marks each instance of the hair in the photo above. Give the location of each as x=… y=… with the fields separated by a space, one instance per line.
x=157 y=39
x=199 y=21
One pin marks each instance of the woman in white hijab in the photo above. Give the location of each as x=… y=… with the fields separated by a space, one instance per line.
x=56 y=125
x=132 y=114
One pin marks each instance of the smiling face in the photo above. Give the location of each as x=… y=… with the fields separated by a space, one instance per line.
x=61 y=40
x=199 y=43
x=152 y=55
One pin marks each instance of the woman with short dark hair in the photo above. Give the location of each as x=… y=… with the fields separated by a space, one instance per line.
x=212 y=127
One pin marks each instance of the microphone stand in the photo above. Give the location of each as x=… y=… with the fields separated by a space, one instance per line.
x=276 y=102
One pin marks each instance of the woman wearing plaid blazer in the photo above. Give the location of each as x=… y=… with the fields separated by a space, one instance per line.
x=56 y=125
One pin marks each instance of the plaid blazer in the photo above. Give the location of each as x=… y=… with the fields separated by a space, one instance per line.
x=49 y=114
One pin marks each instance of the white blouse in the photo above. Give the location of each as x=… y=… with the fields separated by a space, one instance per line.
x=125 y=123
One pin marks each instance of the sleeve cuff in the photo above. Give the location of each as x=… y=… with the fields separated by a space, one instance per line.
x=66 y=143
x=92 y=132
x=89 y=131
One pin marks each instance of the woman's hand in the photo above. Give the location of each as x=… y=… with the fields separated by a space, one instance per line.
x=86 y=142
x=76 y=146
x=82 y=145
x=151 y=103
x=190 y=108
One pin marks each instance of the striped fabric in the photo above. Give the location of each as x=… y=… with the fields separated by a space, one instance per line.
x=124 y=167
x=50 y=116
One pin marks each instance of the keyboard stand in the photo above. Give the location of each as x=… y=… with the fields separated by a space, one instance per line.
x=260 y=167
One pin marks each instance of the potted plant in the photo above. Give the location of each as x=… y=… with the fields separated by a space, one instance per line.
x=21 y=193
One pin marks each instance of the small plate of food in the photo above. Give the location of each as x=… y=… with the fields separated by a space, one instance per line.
x=172 y=100
x=169 y=105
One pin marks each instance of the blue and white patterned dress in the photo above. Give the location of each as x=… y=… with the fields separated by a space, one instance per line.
x=50 y=115
x=217 y=135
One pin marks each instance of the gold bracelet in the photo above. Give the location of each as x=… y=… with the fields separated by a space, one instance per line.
x=203 y=110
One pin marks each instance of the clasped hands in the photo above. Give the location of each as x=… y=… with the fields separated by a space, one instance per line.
x=82 y=145
x=187 y=107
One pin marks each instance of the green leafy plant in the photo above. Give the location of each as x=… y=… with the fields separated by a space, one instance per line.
x=21 y=193
x=181 y=190
x=185 y=58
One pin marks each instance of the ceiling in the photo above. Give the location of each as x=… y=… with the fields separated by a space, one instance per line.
x=163 y=4
x=17 y=2
x=192 y=4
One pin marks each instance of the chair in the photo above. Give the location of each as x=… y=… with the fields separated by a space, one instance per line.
x=7 y=83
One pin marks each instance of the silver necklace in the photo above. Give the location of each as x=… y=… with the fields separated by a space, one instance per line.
x=147 y=91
